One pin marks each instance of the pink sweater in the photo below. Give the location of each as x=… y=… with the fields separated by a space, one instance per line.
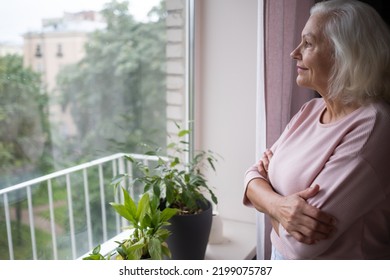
x=349 y=160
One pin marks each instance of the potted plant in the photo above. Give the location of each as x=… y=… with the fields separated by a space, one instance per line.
x=149 y=233
x=183 y=186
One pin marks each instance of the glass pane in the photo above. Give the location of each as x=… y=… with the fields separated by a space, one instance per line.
x=80 y=80
x=78 y=84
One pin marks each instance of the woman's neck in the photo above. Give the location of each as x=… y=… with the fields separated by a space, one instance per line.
x=335 y=111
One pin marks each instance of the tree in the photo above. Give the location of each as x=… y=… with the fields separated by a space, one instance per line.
x=117 y=91
x=24 y=137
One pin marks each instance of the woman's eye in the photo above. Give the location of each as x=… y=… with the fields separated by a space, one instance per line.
x=307 y=44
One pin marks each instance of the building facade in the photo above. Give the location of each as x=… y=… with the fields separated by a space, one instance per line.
x=60 y=42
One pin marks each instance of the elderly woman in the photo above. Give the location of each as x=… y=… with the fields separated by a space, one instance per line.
x=325 y=183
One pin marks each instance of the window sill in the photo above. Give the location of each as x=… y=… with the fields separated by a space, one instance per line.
x=239 y=242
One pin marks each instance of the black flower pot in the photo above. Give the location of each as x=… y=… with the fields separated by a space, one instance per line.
x=190 y=234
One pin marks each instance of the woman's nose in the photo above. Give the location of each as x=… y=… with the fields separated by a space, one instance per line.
x=295 y=54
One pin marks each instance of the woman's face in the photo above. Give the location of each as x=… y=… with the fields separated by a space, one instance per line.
x=314 y=56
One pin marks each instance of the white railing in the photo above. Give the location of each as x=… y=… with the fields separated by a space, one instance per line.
x=117 y=163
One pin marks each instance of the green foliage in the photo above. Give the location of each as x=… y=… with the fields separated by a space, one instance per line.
x=118 y=88
x=96 y=255
x=23 y=120
x=178 y=184
x=22 y=242
x=148 y=222
x=116 y=95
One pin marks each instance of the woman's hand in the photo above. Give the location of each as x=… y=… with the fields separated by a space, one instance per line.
x=304 y=222
x=264 y=163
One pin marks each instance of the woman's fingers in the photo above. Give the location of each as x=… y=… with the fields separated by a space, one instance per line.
x=326 y=220
x=264 y=163
x=315 y=229
x=267 y=156
x=302 y=238
x=309 y=192
x=304 y=222
x=308 y=230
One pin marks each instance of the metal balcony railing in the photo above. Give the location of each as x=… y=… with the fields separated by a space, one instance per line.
x=68 y=180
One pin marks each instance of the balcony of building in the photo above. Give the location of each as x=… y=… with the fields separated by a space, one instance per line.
x=65 y=214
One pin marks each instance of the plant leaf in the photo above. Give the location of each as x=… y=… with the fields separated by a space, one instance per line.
x=171 y=145
x=210 y=160
x=156 y=187
x=96 y=250
x=183 y=132
x=154 y=203
x=118 y=179
x=154 y=248
x=213 y=197
x=143 y=206
x=175 y=162
x=134 y=251
x=151 y=153
x=165 y=250
x=168 y=213
x=129 y=203
x=124 y=212
x=162 y=233
x=146 y=221
x=129 y=158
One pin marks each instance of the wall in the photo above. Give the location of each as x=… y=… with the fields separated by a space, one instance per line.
x=49 y=64
x=225 y=89
x=176 y=66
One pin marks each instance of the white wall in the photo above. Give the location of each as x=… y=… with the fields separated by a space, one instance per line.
x=225 y=89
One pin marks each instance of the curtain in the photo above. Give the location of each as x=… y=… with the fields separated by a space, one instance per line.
x=282 y=98
x=284 y=21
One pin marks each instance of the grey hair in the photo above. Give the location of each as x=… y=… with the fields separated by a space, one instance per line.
x=361 y=45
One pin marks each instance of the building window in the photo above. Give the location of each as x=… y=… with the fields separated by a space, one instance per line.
x=59 y=51
x=38 y=51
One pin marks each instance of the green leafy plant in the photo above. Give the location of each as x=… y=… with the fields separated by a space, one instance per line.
x=147 y=239
x=96 y=255
x=178 y=184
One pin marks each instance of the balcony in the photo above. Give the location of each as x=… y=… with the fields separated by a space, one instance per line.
x=65 y=214
x=62 y=207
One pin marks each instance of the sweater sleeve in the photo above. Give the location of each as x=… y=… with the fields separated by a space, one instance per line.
x=353 y=182
x=252 y=172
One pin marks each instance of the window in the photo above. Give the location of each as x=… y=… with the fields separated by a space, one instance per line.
x=59 y=51
x=91 y=81
x=38 y=51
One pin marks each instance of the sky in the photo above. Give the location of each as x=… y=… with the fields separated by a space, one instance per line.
x=20 y=16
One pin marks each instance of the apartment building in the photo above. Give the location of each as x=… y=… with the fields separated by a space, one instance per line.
x=59 y=42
